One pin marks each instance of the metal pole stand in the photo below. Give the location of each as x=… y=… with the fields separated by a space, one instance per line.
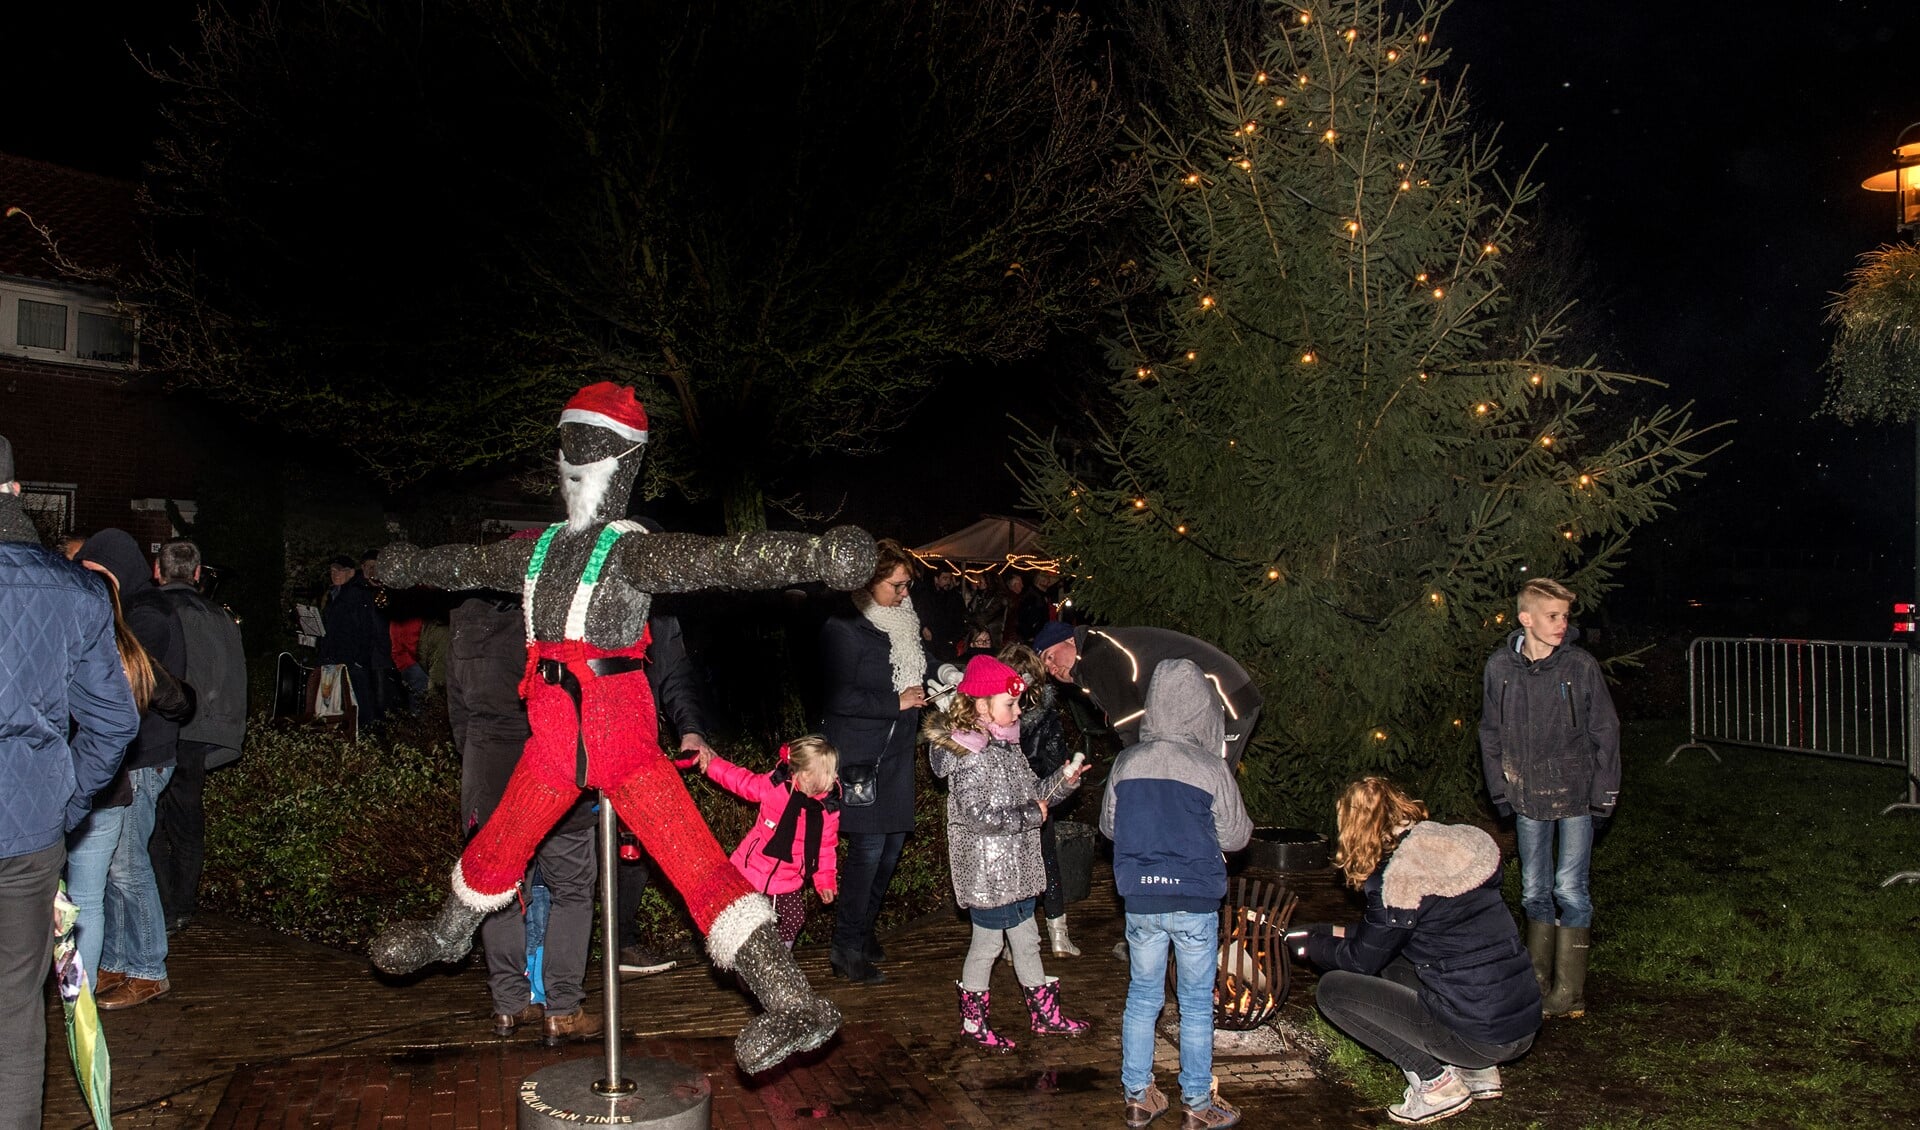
x=655 y=1093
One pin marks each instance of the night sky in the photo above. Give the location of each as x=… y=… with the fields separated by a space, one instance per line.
x=1710 y=153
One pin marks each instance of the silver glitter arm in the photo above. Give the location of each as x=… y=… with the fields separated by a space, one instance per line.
x=501 y=566
x=842 y=557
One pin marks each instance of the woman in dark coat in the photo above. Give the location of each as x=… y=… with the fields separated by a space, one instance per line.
x=1434 y=976
x=873 y=667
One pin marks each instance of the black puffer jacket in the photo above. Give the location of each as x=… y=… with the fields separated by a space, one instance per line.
x=1549 y=737
x=1043 y=737
x=1436 y=901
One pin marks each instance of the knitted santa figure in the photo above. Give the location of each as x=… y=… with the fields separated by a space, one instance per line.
x=586 y=585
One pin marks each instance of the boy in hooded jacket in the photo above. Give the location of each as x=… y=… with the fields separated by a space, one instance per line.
x=1550 y=751
x=1171 y=808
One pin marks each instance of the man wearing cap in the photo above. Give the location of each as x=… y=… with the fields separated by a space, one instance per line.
x=1112 y=667
x=59 y=669
x=587 y=587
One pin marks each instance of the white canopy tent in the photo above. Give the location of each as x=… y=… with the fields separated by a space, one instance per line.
x=992 y=544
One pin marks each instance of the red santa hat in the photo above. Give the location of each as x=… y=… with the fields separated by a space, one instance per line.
x=610 y=406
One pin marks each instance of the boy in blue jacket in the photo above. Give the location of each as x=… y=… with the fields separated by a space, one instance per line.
x=1171 y=808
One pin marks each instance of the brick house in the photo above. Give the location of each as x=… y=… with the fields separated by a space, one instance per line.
x=96 y=442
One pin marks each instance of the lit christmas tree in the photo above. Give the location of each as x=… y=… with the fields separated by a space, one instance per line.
x=1320 y=465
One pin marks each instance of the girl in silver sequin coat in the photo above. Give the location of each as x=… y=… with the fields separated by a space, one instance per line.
x=995 y=806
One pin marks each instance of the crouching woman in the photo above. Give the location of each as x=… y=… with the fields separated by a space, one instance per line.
x=1434 y=977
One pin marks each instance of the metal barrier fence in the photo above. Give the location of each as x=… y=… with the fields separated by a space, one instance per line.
x=1831 y=698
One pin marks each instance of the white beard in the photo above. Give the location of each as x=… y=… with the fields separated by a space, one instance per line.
x=584 y=496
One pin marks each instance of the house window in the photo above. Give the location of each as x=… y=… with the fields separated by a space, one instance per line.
x=42 y=324
x=50 y=507
x=104 y=337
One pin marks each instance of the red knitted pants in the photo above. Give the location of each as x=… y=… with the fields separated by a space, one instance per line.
x=624 y=759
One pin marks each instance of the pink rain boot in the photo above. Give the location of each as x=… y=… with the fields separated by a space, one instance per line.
x=973 y=1021
x=1043 y=1005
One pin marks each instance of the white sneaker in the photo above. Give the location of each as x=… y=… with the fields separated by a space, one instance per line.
x=1433 y=1100
x=1484 y=1082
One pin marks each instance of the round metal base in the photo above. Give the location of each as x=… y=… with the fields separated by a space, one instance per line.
x=666 y=1096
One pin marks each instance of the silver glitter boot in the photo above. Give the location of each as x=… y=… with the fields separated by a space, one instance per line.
x=795 y=1019
x=447 y=936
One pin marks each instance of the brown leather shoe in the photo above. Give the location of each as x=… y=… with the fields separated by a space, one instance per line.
x=505 y=1022
x=107 y=980
x=576 y=1025
x=131 y=991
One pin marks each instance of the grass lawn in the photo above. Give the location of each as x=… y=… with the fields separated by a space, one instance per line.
x=1747 y=968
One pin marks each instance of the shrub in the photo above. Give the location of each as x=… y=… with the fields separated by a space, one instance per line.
x=329 y=840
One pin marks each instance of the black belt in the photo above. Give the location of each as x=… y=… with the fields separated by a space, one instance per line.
x=555 y=673
x=551 y=669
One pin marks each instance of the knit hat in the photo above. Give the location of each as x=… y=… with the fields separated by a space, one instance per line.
x=120 y=554
x=1050 y=633
x=987 y=676
x=610 y=406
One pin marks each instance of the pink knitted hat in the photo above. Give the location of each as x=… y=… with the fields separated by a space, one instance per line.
x=987 y=676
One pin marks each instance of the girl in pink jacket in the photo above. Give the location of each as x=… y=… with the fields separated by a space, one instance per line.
x=797 y=834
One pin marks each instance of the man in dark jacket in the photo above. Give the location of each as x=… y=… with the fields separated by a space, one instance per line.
x=59 y=670
x=1550 y=751
x=1113 y=665
x=133 y=963
x=943 y=612
x=216 y=669
x=486 y=658
x=677 y=695
x=1171 y=807
x=356 y=636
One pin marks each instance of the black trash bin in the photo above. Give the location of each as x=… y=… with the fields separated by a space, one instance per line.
x=1073 y=847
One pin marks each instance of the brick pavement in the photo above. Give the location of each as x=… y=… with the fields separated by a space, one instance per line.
x=259 y=1024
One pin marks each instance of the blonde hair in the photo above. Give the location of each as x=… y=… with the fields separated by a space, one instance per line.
x=1373 y=814
x=812 y=753
x=962 y=713
x=1542 y=588
x=1031 y=668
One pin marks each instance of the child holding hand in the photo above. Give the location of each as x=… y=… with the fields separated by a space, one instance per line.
x=796 y=836
x=995 y=807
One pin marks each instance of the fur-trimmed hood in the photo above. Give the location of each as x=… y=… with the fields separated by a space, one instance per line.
x=1437 y=859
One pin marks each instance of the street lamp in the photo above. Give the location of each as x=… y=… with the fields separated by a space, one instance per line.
x=1903 y=180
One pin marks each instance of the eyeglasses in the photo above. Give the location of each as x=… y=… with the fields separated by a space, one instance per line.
x=897 y=586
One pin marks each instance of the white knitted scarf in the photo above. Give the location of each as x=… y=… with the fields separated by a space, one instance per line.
x=902 y=625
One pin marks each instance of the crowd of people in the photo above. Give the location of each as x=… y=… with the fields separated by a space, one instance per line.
x=130 y=686
x=121 y=685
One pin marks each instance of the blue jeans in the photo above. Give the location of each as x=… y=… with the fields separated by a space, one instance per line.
x=1545 y=887
x=1195 y=939
x=136 y=936
x=865 y=875
x=90 y=850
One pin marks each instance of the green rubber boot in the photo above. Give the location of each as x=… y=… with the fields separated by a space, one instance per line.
x=1568 y=997
x=1540 y=949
